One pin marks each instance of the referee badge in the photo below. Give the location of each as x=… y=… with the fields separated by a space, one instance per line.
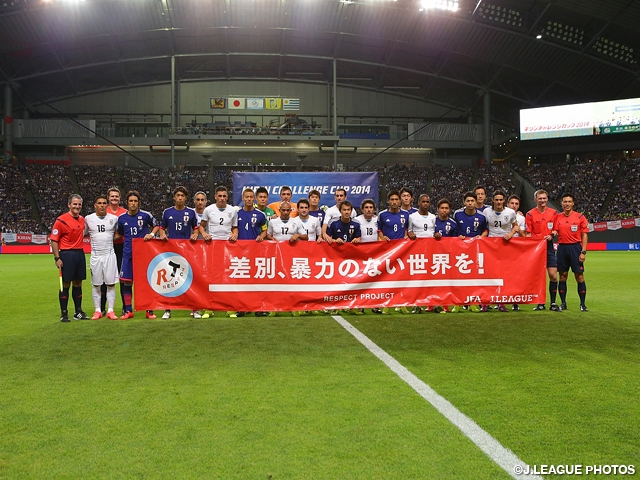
x=574 y=228
x=550 y=225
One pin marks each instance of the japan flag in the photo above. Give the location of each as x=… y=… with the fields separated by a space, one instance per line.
x=236 y=103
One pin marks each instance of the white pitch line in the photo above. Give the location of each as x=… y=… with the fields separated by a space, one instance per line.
x=505 y=458
x=347 y=287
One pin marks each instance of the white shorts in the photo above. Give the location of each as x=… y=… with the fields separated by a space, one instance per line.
x=104 y=269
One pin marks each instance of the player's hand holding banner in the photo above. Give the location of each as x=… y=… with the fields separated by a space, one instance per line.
x=267 y=276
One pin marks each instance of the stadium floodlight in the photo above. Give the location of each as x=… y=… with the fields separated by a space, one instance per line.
x=615 y=50
x=564 y=33
x=448 y=5
x=498 y=14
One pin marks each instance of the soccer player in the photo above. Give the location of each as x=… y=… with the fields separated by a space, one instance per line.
x=392 y=225
x=135 y=223
x=285 y=228
x=113 y=195
x=471 y=222
x=67 y=238
x=540 y=224
x=406 y=200
x=368 y=221
x=252 y=226
x=345 y=229
x=200 y=201
x=314 y=206
x=262 y=198
x=180 y=222
x=285 y=196
x=392 y=222
x=199 y=204
x=422 y=223
x=333 y=213
x=310 y=224
x=252 y=223
x=220 y=221
x=572 y=229
x=501 y=222
x=101 y=228
x=514 y=204
x=444 y=226
x=481 y=196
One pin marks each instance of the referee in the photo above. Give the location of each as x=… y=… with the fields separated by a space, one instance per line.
x=67 y=246
x=572 y=230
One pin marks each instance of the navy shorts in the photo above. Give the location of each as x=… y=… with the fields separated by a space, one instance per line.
x=552 y=261
x=126 y=271
x=74 y=265
x=568 y=254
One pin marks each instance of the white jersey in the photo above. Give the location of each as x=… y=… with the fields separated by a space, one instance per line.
x=368 y=228
x=423 y=226
x=522 y=224
x=500 y=223
x=199 y=216
x=220 y=221
x=311 y=227
x=332 y=214
x=281 y=230
x=101 y=231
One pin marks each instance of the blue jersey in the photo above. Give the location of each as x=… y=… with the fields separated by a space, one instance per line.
x=470 y=225
x=134 y=226
x=319 y=214
x=179 y=223
x=411 y=210
x=251 y=224
x=345 y=231
x=446 y=228
x=393 y=225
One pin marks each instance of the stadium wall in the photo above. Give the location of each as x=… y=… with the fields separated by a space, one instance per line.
x=194 y=101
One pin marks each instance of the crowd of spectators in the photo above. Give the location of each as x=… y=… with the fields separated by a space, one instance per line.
x=450 y=183
x=16 y=215
x=51 y=187
x=625 y=202
x=414 y=176
x=155 y=194
x=551 y=178
x=96 y=180
x=195 y=179
x=495 y=177
x=589 y=181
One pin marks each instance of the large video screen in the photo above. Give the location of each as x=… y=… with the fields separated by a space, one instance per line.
x=583 y=119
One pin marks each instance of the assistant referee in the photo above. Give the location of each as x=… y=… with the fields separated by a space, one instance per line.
x=67 y=246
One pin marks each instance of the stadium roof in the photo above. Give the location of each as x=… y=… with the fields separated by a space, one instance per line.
x=587 y=50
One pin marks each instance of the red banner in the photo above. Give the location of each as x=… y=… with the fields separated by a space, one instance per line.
x=600 y=226
x=628 y=223
x=278 y=276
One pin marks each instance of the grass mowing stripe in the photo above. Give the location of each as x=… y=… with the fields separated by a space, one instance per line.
x=505 y=458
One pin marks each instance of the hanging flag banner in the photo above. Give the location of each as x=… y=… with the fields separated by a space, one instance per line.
x=255 y=103
x=236 y=103
x=291 y=104
x=279 y=276
x=218 y=102
x=273 y=103
x=358 y=185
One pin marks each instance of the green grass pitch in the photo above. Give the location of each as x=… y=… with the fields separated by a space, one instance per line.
x=299 y=398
